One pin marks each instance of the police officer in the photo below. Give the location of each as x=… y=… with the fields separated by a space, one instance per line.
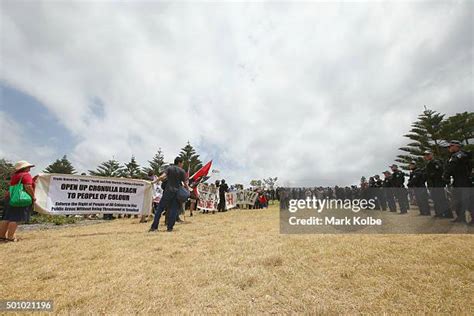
x=388 y=191
x=398 y=180
x=379 y=194
x=434 y=179
x=459 y=168
x=417 y=183
x=372 y=193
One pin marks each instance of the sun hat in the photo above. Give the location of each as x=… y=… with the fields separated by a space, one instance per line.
x=22 y=164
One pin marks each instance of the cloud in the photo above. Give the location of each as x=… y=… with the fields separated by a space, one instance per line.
x=315 y=93
x=15 y=144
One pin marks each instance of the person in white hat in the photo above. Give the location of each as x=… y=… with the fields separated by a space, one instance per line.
x=13 y=215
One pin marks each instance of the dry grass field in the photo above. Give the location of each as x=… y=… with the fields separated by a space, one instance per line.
x=237 y=262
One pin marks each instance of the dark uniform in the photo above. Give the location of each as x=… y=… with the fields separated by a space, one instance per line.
x=223 y=189
x=434 y=178
x=417 y=183
x=459 y=168
x=398 y=179
x=372 y=193
x=379 y=194
x=388 y=192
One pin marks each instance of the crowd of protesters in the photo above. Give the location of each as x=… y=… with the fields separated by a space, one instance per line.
x=174 y=179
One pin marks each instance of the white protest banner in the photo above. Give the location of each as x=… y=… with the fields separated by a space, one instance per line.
x=208 y=197
x=157 y=192
x=60 y=194
x=230 y=200
x=250 y=197
x=241 y=197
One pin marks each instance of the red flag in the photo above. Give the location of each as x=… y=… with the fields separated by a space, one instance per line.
x=202 y=172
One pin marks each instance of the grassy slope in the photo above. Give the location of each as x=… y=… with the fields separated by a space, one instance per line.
x=237 y=262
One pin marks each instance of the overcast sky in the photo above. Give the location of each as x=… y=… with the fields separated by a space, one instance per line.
x=314 y=93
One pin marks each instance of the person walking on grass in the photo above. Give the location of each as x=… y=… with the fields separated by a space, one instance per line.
x=175 y=179
x=14 y=214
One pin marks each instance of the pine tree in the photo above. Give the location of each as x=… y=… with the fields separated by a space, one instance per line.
x=109 y=168
x=191 y=161
x=432 y=132
x=132 y=170
x=425 y=134
x=62 y=165
x=460 y=127
x=157 y=164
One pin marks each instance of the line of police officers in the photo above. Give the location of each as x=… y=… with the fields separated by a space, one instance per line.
x=433 y=177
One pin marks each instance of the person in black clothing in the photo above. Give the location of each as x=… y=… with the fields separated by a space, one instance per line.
x=417 y=183
x=379 y=194
x=434 y=179
x=373 y=192
x=401 y=194
x=388 y=191
x=223 y=188
x=175 y=179
x=459 y=168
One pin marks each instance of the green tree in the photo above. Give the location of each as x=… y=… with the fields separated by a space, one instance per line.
x=432 y=131
x=425 y=134
x=256 y=183
x=109 y=168
x=6 y=170
x=132 y=169
x=62 y=165
x=191 y=161
x=459 y=127
x=270 y=182
x=157 y=164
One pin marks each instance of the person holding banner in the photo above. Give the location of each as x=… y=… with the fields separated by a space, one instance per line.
x=175 y=180
x=15 y=214
x=194 y=196
x=157 y=194
x=197 y=178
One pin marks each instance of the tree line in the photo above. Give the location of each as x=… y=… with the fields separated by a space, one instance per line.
x=112 y=167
